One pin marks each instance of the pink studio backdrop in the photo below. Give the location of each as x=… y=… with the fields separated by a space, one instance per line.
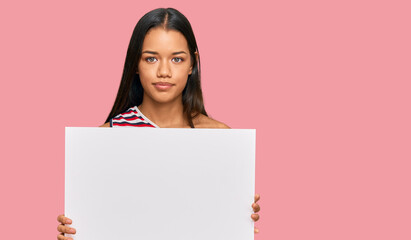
x=325 y=83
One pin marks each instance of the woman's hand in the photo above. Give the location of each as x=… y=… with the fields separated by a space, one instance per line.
x=64 y=229
x=256 y=209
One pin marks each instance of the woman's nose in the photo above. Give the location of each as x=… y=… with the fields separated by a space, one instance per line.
x=164 y=69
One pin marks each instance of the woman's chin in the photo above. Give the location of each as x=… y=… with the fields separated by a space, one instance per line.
x=166 y=98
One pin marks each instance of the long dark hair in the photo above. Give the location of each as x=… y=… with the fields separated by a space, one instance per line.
x=130 y=92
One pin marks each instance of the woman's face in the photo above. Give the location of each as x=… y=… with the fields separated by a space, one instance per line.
x=164 y=65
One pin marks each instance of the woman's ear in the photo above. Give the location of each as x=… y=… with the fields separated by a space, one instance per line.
x=191 y=68
x=196 y=53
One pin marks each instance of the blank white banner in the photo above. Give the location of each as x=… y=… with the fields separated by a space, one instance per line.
x=157 y=184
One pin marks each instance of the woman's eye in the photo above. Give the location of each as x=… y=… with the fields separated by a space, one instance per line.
x=151 y=59
x=177 y=59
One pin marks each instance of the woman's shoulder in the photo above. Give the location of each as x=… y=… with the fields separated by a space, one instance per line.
x=203 y=121
x=107 y=124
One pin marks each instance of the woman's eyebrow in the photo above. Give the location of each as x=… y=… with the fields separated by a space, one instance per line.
x=174 y=53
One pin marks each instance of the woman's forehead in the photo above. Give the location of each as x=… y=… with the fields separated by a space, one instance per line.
x=160 y=40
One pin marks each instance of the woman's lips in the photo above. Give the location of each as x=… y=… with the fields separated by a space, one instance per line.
x=163 y=85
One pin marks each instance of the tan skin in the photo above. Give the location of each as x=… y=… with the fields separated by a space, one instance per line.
x=165 y=58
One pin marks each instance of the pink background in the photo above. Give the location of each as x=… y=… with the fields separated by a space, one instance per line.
x=325 y=83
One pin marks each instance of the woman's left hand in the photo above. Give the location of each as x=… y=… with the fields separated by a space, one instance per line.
x=256 y=209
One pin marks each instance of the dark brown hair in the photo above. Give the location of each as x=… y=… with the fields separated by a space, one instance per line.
x=130 y=92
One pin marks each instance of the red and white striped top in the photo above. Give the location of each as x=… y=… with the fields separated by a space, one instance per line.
x=132 y=118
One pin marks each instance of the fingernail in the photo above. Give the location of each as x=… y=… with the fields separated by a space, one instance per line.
x=68 y=221
x=71 y=230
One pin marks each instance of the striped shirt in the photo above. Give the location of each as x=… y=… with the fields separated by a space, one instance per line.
x=131 y=118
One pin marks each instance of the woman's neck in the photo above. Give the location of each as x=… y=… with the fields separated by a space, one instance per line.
x=165 y=115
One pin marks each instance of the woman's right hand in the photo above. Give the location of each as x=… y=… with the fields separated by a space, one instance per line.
x=64 y=229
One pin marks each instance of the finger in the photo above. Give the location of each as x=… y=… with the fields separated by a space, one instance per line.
x=255 y=207
x=65 y=229
x=256 y=197
x=62 y=237
x=255 y=217
x=256 y=230
x=64 y=220
x=60 y=218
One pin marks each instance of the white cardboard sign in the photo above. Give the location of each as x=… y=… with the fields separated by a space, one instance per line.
x=157 y=184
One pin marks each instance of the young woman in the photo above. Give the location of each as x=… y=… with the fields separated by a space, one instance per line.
x=160 y=86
